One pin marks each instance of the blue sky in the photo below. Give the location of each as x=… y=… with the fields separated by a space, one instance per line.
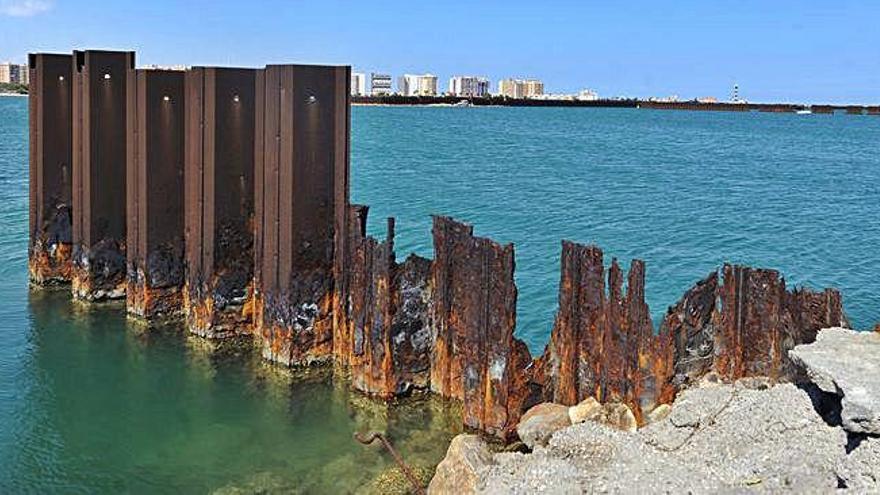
x=776 y=50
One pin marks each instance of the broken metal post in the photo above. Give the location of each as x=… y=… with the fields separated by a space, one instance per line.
x=154 y=196
x=99 y=172
x=49 y=260
x=476 y=358
x=219 y=177
x=301 y=197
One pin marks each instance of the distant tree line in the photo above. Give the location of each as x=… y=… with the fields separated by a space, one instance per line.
x=15 y=88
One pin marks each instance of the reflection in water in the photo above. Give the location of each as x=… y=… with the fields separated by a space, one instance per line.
x=116 y=406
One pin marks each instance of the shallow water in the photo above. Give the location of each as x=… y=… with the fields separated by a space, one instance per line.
x=90 y=402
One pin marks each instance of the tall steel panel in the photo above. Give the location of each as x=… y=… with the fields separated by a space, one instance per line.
x=50 y=121
x=302 y=160
x=154 y=195
x=220 y=135
x=99 y=155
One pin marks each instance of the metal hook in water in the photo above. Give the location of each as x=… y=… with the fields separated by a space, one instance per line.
x=371 y=437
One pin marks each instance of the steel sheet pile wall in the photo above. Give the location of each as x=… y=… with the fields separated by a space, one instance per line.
x=475 y=356
x=301 y=201
x=219 y=212
x=50 y=246
x=603 y=344
x=226 y=191
x=154 y=192
x=383 y=334
x=99 y=155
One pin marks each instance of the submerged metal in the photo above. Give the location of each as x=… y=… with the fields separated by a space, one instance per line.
x=99 y=173
x=301 y=202
x=50 y=124
x=225 y=193
x=219 y=209
x=154 y=193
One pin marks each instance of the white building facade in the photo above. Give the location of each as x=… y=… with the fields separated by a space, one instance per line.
x=380 y=84
x=417 y=85
x=358 y=84
x=469 y=86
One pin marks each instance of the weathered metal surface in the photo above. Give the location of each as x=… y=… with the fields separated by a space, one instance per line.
x=99 y=173
x=691 y=325
x=301 y=159
x=50 y=122
x=154 y=193
x=476 y=358
x=602 y=344
x=219 y=212
x=385 y=338
x=760 y=322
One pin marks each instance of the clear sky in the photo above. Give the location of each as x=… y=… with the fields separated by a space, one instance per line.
x=776 y=50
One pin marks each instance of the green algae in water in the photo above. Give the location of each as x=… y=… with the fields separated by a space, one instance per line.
x=115 y=407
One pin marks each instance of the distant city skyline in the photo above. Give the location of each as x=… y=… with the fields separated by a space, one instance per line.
x=781 y=51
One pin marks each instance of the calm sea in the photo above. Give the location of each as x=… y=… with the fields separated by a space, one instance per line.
x=92 y=403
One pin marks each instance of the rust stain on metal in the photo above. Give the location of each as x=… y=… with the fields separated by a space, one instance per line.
x=301 y=198
x=50 y=125
x=384 y=336
x=760 y=321
x=476 y=358
x=603 y=344
x=219 y=184
x=255 y=234
x=99 y=173
x=154 y=193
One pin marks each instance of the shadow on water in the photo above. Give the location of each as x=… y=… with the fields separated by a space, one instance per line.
x=115 y=406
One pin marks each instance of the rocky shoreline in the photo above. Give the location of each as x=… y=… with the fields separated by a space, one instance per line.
x=816 y=434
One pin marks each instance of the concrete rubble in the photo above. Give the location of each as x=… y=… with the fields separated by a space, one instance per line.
x=846 y=363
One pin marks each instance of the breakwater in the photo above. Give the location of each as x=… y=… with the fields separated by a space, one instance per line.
x=616 y=103
x=321 y=290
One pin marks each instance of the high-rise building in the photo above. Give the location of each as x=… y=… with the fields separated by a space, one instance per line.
x=417 y=85
x=380 y=84
x=520 y=88
x=13 y=73
x=532 y=87
x=468 y=86
x=358 y=84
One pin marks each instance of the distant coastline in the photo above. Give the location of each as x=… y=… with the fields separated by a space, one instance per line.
x=398 y=100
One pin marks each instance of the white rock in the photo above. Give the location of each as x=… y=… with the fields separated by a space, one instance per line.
x=846 y=363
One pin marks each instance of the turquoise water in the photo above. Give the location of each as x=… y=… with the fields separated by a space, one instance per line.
x=92 y=403
x=684 y=191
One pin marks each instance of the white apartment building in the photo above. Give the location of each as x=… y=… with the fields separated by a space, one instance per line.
x=417 y=85
x=520 y=88
x=468 y=86
x=358 y=84
x=380 y=84
x=13 y=73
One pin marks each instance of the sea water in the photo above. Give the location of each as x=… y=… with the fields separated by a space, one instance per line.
x=93 y=403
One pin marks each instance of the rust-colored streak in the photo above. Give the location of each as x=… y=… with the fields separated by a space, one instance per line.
x=475 y=356
x=384 y=336
x=219 y=178
x=303 y=141
x=50 y=127
x=603 y=344
x=100 y=148
x=760 y=322
x=154 y=196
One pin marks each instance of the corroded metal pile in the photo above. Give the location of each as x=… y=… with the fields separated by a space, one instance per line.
x=604 y=345
x=227 y=202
